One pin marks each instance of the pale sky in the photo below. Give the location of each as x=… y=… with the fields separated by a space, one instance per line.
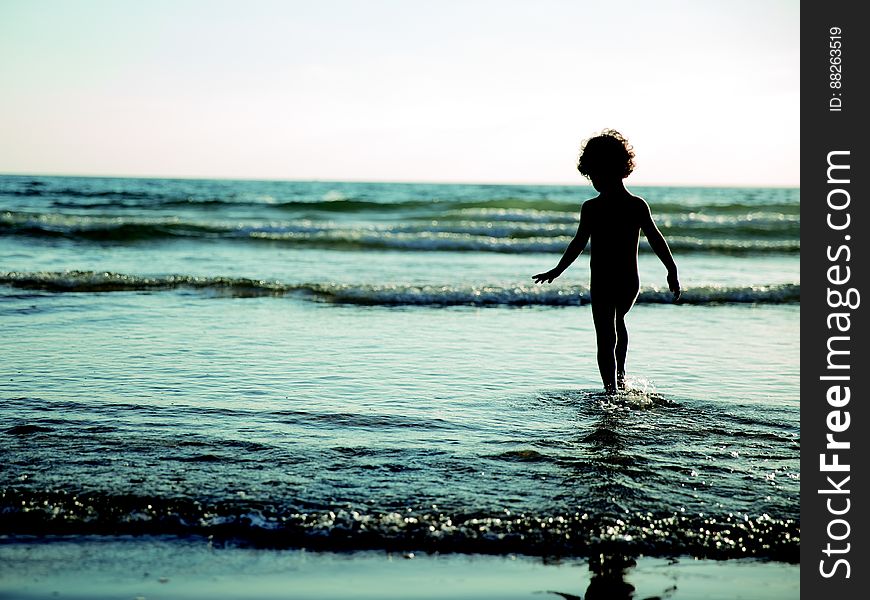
x=379 y=90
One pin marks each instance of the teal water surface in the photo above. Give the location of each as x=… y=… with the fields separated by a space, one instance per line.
x=354 y=365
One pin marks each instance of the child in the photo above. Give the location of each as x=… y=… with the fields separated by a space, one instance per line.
x=614 y=221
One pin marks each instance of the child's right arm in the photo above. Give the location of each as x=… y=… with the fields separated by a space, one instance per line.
x=660 y=246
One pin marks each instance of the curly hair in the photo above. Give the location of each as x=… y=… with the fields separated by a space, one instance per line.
x=608 y=154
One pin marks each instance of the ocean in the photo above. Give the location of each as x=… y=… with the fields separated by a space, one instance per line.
x=368 y=366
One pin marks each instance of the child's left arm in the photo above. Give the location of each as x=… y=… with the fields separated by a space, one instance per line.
x=574 y=249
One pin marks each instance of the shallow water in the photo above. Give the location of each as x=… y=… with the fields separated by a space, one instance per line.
x=383 y=395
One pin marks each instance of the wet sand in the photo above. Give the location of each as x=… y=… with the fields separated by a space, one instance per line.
x=150 y=568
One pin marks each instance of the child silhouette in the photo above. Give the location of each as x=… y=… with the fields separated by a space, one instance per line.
x=613 y=220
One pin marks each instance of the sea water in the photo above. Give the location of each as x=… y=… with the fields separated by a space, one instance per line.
x=369 y=365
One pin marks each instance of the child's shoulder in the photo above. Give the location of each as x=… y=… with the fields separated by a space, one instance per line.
x=631 y=202
x=639 y=203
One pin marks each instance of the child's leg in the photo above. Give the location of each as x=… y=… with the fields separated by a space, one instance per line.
x=604 y=317
x=621 y=350
x=622 y=334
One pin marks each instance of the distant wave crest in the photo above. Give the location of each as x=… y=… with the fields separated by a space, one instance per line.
x=745 y=234
x=378 y=198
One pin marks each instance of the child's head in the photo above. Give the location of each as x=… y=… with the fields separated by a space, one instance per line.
x=608 y=155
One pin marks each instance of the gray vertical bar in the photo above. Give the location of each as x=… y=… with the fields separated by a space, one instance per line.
x=824 y=129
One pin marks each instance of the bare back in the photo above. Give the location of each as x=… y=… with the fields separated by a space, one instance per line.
x=614 y=224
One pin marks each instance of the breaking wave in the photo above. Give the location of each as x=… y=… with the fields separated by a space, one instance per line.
x=384 y=295
x=269 y=524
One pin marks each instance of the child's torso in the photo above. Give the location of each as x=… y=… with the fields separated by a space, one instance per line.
x=614 y=226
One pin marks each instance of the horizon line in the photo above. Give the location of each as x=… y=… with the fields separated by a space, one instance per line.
x=391 y=181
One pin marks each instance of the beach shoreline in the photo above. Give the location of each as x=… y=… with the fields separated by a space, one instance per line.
x=150 y=567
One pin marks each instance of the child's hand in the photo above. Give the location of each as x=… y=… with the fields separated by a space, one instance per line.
x=548 y=276
x=674 y=285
